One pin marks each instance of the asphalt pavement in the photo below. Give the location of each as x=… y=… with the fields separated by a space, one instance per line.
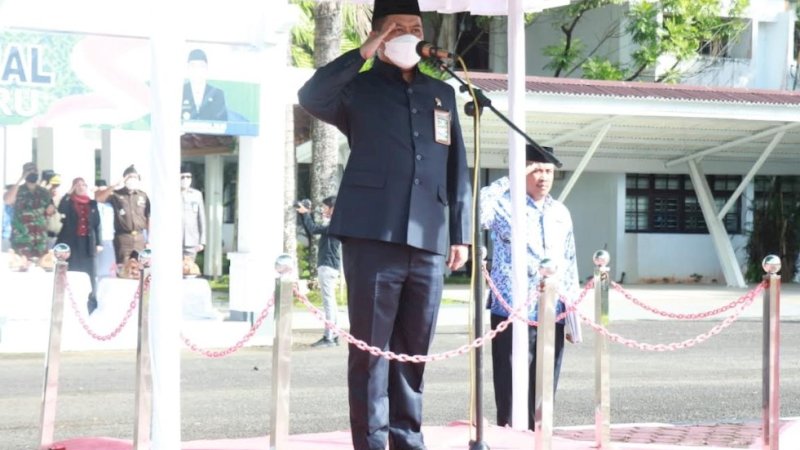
x=709 y=385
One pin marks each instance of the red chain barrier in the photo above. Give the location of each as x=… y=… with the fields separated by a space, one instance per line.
x=236 y=347
x=402 y=357
x=125 y=319
x=631 y=343
x=570 y=307
x=680 y=316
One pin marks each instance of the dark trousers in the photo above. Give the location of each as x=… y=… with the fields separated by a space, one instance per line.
x=501 y=367
x=125 y=243
x=393 y=300
x=81 y=259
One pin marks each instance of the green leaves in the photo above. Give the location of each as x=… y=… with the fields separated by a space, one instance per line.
x=666 y=30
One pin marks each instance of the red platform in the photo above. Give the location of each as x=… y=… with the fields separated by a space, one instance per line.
x=456 y=437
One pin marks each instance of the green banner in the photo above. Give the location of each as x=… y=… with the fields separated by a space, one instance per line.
x=49 y=79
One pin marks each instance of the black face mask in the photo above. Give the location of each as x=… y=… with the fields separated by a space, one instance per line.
x=32 y=178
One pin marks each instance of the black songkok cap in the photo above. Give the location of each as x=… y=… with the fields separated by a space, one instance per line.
x=384 y=8
x=186 y=168
x=532 y=155
x=130 y=170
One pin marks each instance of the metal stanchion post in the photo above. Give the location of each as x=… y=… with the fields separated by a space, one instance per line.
x=771 y=356
x=545 y=357
x=53 y=357
x=602 y=386
x=144 y=374
x=282 y=354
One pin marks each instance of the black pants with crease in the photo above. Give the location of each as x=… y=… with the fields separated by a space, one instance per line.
x=394 y=293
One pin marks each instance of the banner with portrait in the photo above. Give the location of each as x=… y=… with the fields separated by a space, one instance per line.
x=63 y=79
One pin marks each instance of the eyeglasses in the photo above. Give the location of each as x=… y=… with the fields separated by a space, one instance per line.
x=186 y=176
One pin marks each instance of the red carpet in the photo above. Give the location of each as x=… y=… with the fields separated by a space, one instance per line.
x=452 y=437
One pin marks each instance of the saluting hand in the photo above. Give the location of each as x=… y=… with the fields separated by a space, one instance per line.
x=375 y=40
x=458 y=256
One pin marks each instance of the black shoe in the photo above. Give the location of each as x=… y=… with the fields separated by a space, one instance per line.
x=325 y=342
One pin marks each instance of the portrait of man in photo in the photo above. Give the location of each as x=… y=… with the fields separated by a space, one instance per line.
x=201 y=101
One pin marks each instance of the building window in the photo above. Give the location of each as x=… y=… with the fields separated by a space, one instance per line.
x=668 y=203
x=789 y=187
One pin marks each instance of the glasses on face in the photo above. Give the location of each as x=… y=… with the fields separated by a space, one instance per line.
x=186 y=176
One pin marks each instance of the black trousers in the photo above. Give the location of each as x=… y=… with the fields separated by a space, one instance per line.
x=394 y=293
x=501 y=368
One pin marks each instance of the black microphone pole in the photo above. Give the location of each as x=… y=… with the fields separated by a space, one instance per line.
x=485 y=102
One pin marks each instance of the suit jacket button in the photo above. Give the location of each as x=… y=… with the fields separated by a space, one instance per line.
x=419 y=157
x=416 y=134
x=416 y=180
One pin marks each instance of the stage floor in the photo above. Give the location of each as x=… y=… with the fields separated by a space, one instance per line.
x=456 y=437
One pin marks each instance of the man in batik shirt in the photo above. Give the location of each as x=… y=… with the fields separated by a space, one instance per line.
x=549 y=235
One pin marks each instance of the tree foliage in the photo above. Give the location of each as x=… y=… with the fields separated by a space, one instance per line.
x=677 y=29
x=776 y=231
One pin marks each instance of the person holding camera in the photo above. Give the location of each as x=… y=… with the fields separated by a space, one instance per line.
x=329 y=260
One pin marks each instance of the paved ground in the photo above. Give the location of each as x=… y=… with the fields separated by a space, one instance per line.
x=706 y=395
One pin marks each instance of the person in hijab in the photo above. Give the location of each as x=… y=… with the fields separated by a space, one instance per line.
x=81 y=231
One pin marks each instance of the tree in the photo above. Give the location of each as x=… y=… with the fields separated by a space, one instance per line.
x=677 y=29
x=325 y=31
x=776 y=230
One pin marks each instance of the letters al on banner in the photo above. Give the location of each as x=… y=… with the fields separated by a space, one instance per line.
x=49 y=79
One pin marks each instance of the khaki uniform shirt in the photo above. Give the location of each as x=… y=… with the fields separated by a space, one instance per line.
x=131 y=211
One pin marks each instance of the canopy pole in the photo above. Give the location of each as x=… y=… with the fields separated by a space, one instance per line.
x=584 y=162
x=750 y=174
x=516 y=146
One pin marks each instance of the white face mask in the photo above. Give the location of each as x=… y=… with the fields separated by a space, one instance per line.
x=402 y=51
x=132 y=184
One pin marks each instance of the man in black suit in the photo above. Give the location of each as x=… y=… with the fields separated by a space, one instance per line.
x=201 y=101
x=402 y=207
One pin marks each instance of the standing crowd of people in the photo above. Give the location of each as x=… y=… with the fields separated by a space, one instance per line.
x=105 y=226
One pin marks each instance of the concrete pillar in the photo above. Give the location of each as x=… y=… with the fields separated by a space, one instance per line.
x=260 y=193
x=213 y=198
x=121 y=148
x=68 y=151
x=17 y=142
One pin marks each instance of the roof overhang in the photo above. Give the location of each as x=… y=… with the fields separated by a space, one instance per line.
x=645 y=127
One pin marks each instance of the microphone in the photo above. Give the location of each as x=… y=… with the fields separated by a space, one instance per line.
x=427 y=50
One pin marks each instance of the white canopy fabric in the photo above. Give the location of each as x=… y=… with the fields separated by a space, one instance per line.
x=479 y=7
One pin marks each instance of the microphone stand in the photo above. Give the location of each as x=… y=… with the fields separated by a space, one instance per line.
x=475 y=111
x=485 y=102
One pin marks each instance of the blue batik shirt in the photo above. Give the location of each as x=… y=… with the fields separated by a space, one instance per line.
x=549 y=235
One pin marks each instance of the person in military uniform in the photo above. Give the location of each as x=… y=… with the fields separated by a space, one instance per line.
x=194 y=216
x=131 y=213
x=402 y=208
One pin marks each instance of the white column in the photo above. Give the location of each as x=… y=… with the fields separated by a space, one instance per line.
x=167 y=63
x=18 y=144
x=260 y=192
x=516 y=159
x=68 y=151
x=722 y=243
x=121 y=148
x=212 y=258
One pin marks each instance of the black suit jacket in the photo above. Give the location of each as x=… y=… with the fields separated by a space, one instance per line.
x=211 y=108
x=399 y=184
